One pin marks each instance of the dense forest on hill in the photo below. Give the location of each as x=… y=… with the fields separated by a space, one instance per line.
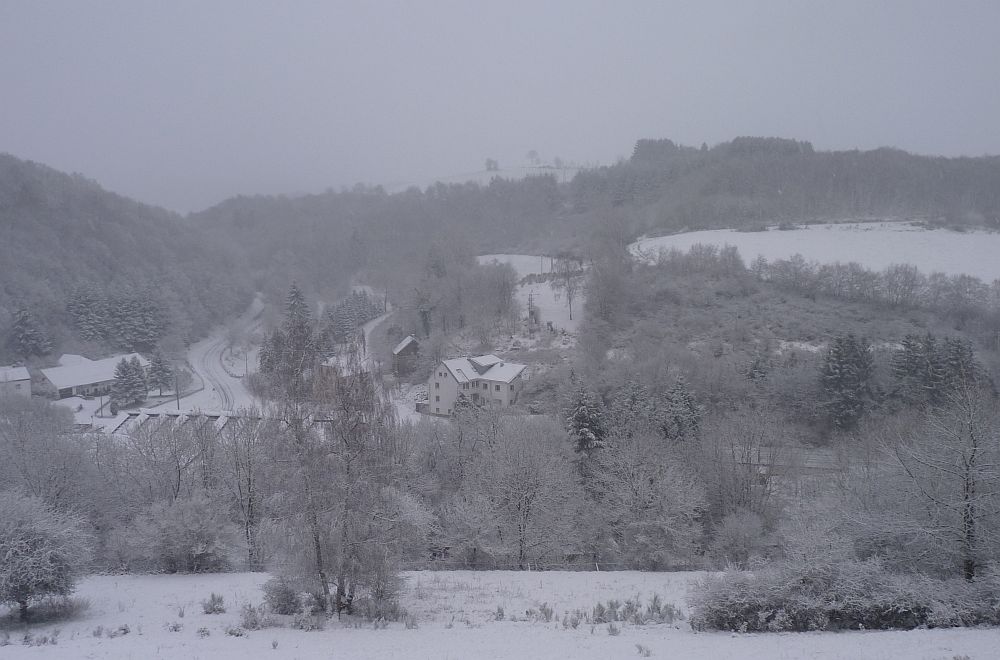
x=68 y=244
x=765 y=180
x=65 y=241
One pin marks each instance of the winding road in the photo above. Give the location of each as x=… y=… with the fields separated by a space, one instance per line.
x=223 y=391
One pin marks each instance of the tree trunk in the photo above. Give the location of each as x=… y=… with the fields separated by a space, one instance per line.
x=23 y=609
x=313 y=518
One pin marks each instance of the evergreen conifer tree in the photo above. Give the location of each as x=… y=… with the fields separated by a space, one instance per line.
x=585 y=421
x=160 y=374
x=121 y=393
x=631 y=409
x=682 y=420
x=138 y=384
x=846 y=375
x=27 y=336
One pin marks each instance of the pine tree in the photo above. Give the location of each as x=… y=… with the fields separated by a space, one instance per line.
x=121 y=389
x=88 y=307
x=845 y=377
x=137 y=380
x=160 y=374
x=27 y=336
x=585 y=421
x=682 y=420
x=291 y=353
x=631 y=409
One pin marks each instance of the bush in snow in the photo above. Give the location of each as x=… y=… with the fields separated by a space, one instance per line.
x=215 y=604
x=739 y=539
x=255 y=618
x=281 y=597
x=42 y=550
x=849 y=594
x=190 y=535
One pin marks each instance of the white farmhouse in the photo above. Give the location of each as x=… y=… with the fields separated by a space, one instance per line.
x=484 y=380
x=78 y=376
x=15 y=380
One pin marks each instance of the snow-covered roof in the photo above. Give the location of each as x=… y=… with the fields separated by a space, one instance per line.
x=490 y=368
x=69 y=359
x=87 y=372
x=10 y=374
x=410 y=339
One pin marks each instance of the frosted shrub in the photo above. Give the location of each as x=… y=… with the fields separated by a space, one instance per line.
x=190 y=535
x=281 y=597
x=307 y=622
x=215 y=604
x=739 y=538
x=838 y=595
x=44 y=550
x=255 y=618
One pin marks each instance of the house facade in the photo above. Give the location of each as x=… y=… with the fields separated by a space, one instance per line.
x=15 y=381
x=485 y=380
x=79 y=376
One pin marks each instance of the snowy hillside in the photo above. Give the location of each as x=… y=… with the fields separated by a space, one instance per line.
x=550 y=302
x=875 y=245
x=483 y=177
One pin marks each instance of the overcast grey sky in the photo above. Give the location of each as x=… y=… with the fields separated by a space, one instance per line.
x=186 y=103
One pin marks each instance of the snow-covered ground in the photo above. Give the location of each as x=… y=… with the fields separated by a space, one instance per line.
x=551 y=303
x=405 y=400
x=875 y=245
x=456 y=619
x=85 y=411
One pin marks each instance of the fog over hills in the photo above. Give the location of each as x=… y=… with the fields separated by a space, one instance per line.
x=451 y=329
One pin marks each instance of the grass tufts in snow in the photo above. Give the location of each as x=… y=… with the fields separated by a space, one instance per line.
x=215 y=604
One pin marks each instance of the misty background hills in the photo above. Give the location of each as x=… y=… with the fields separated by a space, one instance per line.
x=69 y=248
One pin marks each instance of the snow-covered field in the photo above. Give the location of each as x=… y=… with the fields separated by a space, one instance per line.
x=875 y=245
x=551 y=303
x=456 y=619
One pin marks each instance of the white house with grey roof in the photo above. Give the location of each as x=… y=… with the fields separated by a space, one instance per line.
x=15 y=381
x=484 y=380
x=79 y=376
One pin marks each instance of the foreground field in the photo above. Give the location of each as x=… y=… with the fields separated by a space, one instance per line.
x=456 y=614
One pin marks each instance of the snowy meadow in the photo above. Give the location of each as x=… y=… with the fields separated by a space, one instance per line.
x=455 y=614
x=875 y=245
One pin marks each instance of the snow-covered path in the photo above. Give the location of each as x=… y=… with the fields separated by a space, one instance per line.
x=223 y=391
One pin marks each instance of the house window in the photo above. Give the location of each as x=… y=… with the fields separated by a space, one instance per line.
x=498 y=388
x=511 y=388
x=17 y=386
x=437 y=398
x=465 y=386
x=437 y=410
x=437 y=386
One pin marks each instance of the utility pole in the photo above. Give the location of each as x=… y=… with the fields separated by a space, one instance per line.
x=177 y=391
